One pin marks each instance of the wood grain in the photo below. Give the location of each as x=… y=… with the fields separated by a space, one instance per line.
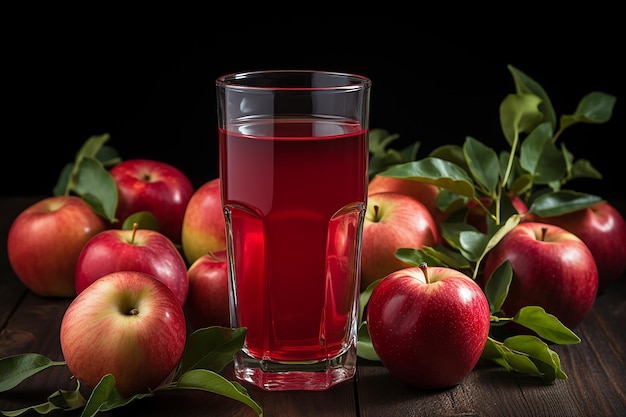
x=595 y=386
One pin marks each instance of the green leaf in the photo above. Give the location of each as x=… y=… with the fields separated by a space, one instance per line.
x=205 y=380
x=595 y=107
x=561 y=202
x=68 y=400
x=104 y=397
x=521 y=363
x=483 y=164
x=582 y=168
x=60 y=400
x=519 y=114
x=15 y=369
x=211 y=348
x=521 y=184
x=497 y=286
x=61 y=187
x=494 y=352
x=379 y=140
x=526 y=85
x=365 y=349
x=97 y=187
x=540 y=354
x=449 y=202
x=439 y=172
x=451 y=153
x=500 y=232
x=547 y=326
x=433 y=256
x=144 y=220
x=108 y=156
x=540 y=157
x=451 y=232
x=383 y=157
x=472 y=244
x=89 y=149
x=364 y=298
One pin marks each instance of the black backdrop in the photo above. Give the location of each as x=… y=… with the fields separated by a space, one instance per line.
x=151 y=86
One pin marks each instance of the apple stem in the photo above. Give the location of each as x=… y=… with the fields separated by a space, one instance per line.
x=544 y=230
x=133 y=312
x=424 y=268
x=376 y=209
x=135 y=227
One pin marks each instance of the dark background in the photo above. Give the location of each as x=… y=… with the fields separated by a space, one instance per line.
x=149 y=83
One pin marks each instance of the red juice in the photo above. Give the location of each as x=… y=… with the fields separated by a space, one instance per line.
x=294 y=191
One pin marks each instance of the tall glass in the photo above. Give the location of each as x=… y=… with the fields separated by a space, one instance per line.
x=293 y=169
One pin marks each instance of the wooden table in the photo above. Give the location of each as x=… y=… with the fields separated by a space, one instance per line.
x=596 y=370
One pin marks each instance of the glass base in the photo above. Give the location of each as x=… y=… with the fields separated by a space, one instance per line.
x=285 y=376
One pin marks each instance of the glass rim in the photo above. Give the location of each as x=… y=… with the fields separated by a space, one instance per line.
x=233 y=81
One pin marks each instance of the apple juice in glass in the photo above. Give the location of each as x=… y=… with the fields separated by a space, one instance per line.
x=293 y=169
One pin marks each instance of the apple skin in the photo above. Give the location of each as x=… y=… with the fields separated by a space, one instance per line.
x=154 y=186
x=428 y=333
x=45 y=240
x=393 y=221
x=603 y=229
x=140 y=250
x=556 y=272
x=208 y=299
x=102 y=334
x=204 y=226
x=423 y=192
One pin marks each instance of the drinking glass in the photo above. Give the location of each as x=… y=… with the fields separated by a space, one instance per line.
x=293 y=169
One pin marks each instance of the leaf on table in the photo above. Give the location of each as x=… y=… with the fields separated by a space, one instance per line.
x=205 y=380
x=211 y=348
x=59 y=400
x=545 y=359
x=104 y=397
x=525 y=354
x=546 y=325
x=15 y=369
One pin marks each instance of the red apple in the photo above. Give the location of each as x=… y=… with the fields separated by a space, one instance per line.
x=204 y=227
x=552 y=268
x=603 y=230
x=208 y=299
x=428 y=328
x=45 y=240
x=393 y=221
x=156 y=187
x=127 y=324
x=423 y=192
x=140 y=250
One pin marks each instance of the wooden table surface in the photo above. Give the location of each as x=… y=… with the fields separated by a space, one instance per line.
x=595 y=387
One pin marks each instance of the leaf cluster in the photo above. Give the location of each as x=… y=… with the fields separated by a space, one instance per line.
x=88 y=177
x=207 y=352
x=536 y=167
